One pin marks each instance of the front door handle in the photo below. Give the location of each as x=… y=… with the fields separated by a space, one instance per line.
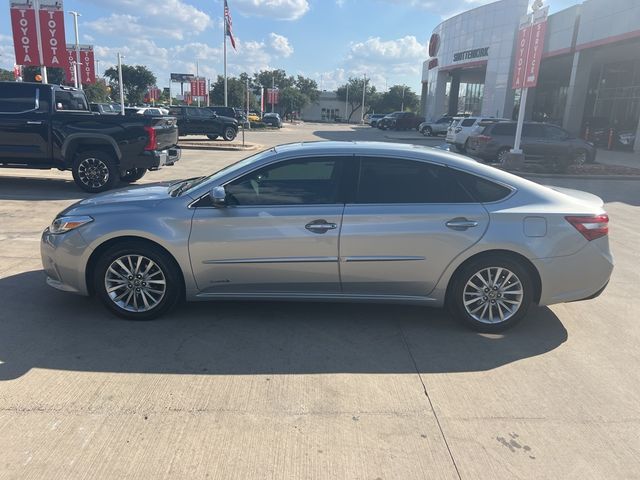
x=320 y=226
x=461 y=223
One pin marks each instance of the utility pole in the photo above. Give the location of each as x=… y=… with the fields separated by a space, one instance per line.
x=197 y=81
x=78 y=64
x=364 y=88
x=402 y=105
x=98 y=68
x=120 y=84
x=346 y=102
x=273 y=91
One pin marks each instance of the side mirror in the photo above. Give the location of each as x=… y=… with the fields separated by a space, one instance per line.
x=218 y=197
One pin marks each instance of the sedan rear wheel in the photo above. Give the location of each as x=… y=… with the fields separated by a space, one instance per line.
x=491 y=294
x=427 y=132
x=137 y=281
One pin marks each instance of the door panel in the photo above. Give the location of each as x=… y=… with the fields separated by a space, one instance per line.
x=403 y=249
x=266 y=249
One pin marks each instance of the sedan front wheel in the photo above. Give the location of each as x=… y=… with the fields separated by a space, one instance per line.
x=137 y=281
x=491 y=294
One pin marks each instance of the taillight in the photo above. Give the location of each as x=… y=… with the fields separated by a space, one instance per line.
x=152 y=140
x=590 y=226
x=483 y=138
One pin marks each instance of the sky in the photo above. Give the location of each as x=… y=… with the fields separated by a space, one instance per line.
x=327 y=40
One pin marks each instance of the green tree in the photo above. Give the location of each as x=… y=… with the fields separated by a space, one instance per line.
x=291 y=100
x=267 y=78
x=6 y=75
x=397 y=98
x=308 y=87
x=55 y=76
x=136 y=79
x=97 y=92
x=355 y=86
x=236 y=92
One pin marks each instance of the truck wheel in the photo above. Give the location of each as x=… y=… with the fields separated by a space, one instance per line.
x=133 y=175
x=229 y=133
x=95 y=171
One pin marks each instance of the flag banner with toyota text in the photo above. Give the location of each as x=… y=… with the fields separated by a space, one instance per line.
x=52 y=36
x=25 y=35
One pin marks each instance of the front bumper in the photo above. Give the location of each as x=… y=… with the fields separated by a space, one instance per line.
x=62 y=259
x=152 y=160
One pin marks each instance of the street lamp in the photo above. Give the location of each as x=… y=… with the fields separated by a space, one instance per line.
x=78 y=68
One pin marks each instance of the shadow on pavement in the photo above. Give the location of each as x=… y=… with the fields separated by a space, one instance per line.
x=43 y=328
x=36 y=189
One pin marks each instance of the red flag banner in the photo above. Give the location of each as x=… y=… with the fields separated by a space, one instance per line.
x=52 y=36
x=198 y=87
x=69 y=69
x=228 y=24
x=536 y=45
x=273 y=95
x=529 y=49
x=25 y=35
x=87 y=65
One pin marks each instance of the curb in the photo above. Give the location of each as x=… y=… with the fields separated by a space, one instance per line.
x=230 y=148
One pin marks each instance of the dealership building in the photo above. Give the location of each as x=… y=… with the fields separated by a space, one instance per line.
x=589 y=74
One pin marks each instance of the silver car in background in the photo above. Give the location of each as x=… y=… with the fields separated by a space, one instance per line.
x=333 y=221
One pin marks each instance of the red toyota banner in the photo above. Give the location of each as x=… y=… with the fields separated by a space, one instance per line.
x=52 y=33
x=25 y=35
x=273 y=95
x=87 y=65
x=198 y=87
x=529 y=49
x=69 y=68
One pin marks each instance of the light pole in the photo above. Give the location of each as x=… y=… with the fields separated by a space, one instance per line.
x=78 y=68
x=120 y=83
x=364 y=87
x=346 y=102
x=402 y=105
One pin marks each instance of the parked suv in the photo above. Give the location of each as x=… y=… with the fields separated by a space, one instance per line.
x=400 y=121
x=541 y=142
x=375 y=118
x=203 y=121
x=462 y=127
x=430 y=129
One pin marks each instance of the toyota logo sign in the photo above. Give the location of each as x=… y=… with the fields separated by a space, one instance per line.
x=434 y=45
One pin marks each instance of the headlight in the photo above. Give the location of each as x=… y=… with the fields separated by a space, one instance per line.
x=65 y=224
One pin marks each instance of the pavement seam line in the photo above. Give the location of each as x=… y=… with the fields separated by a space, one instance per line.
x=433 y=410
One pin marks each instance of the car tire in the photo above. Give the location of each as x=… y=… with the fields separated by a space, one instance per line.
x=138 y=300
x=133 y=175
x=427 y=132
x=95 y=171
x=497 y=301
x=212 y=137
x=229 y=133
x=463 y=148
x=501 y=154
x=580 y=157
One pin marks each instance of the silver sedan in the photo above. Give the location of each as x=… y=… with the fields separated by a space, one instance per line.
x=332 y=221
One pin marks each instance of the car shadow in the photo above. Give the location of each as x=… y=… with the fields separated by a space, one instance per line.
x=37 y=189
x=44 y=328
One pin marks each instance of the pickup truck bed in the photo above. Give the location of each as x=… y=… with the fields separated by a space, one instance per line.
x=49 y=126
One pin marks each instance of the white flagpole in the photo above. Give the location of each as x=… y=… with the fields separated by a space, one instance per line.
x=224 y=20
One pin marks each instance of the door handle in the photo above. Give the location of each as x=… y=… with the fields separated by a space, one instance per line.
x=320 y=226
x=461 y=224
x=34 y=122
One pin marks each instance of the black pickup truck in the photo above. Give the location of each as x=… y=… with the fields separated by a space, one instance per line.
x=49 y=126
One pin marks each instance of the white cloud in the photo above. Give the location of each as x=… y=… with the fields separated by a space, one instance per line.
x=119 y=25
x=7 y=54
x=402 y=49
x=175 y=17
x=276 y=9
x=280 y=44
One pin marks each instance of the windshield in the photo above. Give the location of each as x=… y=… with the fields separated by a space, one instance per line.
x=189 y=185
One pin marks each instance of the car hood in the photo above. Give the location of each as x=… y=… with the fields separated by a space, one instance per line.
x=124 y=198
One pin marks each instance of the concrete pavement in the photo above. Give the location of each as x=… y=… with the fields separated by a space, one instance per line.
x=294 y=391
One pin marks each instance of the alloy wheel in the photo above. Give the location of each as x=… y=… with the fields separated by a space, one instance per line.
x=493 y=295
x=580 y=158
x=135 y=283
x=93 y=172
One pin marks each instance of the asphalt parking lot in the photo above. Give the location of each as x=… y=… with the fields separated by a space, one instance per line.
x=295 y=391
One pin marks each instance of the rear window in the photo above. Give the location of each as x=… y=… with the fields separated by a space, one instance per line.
x=503 y=129
x=70 y=100
x=480 y=189
x=16 y=98
x=468 y=122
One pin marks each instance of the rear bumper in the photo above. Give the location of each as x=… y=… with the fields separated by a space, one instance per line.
x=152 y=160
x=580 y=276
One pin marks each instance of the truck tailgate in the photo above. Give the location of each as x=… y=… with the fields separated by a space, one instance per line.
x=166 y=131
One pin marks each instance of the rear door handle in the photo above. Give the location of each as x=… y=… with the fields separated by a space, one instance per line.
x=34 y=122
x=320 y=226
x=461 y=224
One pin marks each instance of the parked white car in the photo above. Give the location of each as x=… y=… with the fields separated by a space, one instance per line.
x=461 y=128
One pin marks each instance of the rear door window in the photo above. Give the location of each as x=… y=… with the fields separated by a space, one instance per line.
x=468 y=122
x=385 y=180
x=532 y=130
x=503 y=129
x=16 y=98
x=481 y=189
x=555 y=133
